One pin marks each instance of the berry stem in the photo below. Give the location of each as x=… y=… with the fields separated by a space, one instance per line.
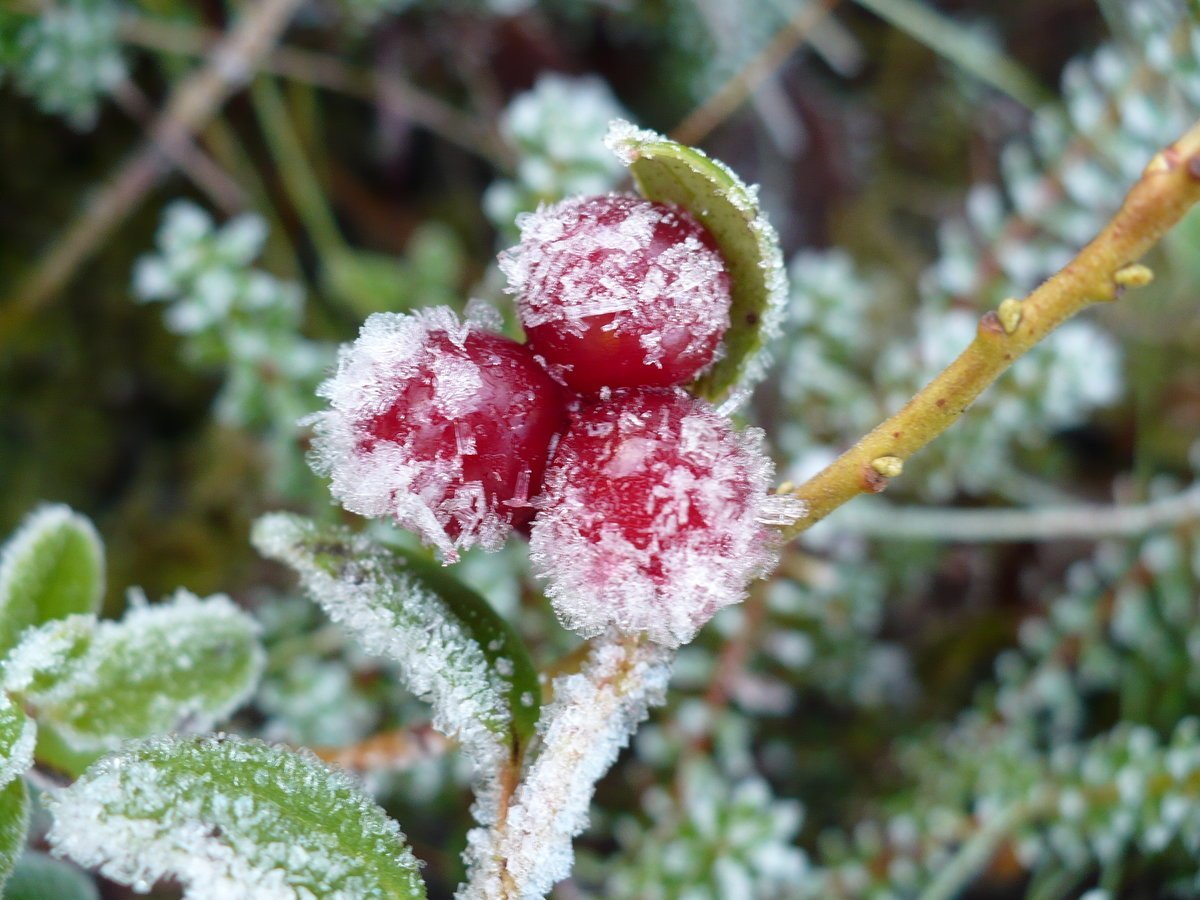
x=1167 y=189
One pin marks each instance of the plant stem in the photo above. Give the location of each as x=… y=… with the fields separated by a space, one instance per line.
x=1167 y=189
x=1046 y=523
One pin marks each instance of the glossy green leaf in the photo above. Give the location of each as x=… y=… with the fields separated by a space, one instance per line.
x=186 y=663
x=14 y=823
x=229 y=817
x=52 y=567
x=18 y=735
x=39 y=876
x=670 y=172
x=452 y=648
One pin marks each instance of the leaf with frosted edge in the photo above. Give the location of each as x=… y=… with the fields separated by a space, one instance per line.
x=14 y=823
x=592 y=716
x=18 y=736
x=184 y=664
x=669 y=172
x=38 y=876
x=230 y=817
x=52 y=567
x=454 y=651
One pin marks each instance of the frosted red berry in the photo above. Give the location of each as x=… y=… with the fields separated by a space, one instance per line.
x=617 y=291
x=440 y=424
x=655 y=514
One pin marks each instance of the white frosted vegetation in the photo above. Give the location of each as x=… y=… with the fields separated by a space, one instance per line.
x=52 y=566
x=183 y=664
x=394 y=615
x=18 y=736
x=592 y=716
x=707 y=505
x=231 y=818
x=376 y=476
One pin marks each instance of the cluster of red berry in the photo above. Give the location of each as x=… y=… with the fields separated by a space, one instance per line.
x=645 y=508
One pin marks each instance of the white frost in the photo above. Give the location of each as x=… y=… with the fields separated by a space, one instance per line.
x=231 y=819
x=392 y=615
x=582 y=730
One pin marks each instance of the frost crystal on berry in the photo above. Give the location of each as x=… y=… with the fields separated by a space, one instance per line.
x=440 y=424
x=618 y=291
x=656 y=514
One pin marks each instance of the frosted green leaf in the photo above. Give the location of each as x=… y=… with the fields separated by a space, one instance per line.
x=38 y=876
x=18 y=736
x=183 y=664
x=453 y=650
x=52 y=567
x=668 y=172
x=14 y=822
x=229 y=817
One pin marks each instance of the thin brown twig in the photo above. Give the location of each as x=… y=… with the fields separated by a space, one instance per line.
x=716 y=109
x=392 y=751
x=192 y=103
x=324 y=71
x=221 y=187
x=1168 y=188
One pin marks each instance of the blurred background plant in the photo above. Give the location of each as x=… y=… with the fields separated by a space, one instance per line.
x=984 y=679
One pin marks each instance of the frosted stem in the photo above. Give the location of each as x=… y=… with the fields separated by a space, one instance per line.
x=592 y=716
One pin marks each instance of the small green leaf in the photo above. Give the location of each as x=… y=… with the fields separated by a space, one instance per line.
x=229 y=817
x=52 y=567
x=18 y=736
x=186 y=663
x=668 y=172
x=38 y=876
x=14 y=823
x=453 y=649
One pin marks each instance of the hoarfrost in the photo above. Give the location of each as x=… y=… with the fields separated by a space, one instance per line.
x=52 y=566
x=18 y=736
x=627 y=142
x=382 y=461
x=231 y=818
x=585 y=259
x=393 y=615
x=697 y=537
x=187 y=663
x=592 y=716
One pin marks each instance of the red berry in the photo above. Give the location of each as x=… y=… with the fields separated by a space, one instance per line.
x=443 y=425
x=619 y=292
x=654 y=516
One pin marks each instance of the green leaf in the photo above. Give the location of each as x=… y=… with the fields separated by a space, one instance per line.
x=230 y=817
x=14 y=823
x=668 y=172
x=18 y=735
x=38 y=876
x=452 y=648
x=186 y=663
x=52 y=567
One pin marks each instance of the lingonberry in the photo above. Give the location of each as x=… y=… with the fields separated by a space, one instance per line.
x=617 y=291
x=441 y=424
x=655 y=515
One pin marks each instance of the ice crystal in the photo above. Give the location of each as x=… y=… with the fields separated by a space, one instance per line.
x=400 y=390
x=655 y=517
x=52 y=566
x=395 y=616
x=582 y=730
x=231 y=818
x=186 y=663
x=18 y=735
